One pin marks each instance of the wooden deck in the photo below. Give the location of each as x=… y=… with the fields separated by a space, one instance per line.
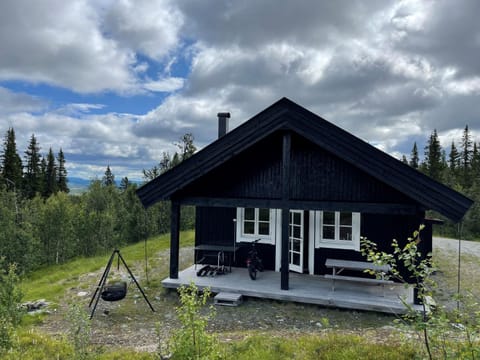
x=311 y=289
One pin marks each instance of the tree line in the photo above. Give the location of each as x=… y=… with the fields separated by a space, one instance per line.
x=41 y=228
x=44 y=175
x=460 y=170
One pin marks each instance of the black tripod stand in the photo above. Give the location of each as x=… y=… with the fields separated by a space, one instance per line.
x=98 y=292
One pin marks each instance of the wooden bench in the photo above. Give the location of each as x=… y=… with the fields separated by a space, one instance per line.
x=338 y=266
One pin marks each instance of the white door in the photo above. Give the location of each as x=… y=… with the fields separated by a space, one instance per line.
x=295 y=247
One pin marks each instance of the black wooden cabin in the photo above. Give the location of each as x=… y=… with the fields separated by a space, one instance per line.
x=308 y=189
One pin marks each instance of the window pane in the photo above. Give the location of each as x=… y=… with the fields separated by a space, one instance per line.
x=296 y=246
x=264 y=214
x=345 y=218
x=297 y=218
x=329 y=217
x=296 y=232
x=345 y=233
x=249 y=227
x=329 y=232
x=249 y=214
x=295 y=259
x=264 y=228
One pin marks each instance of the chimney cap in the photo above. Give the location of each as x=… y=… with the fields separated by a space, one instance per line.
x=224 y=115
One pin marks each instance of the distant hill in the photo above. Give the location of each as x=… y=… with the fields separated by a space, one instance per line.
x=78 y=185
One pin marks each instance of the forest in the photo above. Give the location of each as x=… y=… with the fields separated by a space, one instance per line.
x=43 y=224
x=460 y=170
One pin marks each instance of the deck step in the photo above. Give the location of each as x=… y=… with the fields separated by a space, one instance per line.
x=227 y=299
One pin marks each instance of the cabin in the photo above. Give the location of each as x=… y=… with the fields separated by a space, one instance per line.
x=309 y=191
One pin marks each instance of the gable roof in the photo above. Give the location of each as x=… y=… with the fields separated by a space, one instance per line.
x=287 y=115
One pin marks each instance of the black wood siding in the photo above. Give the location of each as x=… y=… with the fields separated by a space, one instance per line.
x=381 y=229
x=316 y=175
x=214 y=225
x=320 y=175
x=255 y=173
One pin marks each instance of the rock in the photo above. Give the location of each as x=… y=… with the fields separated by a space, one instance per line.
x=82 y=293
x=32 y=306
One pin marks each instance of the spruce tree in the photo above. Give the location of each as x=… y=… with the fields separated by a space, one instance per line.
x=466 y=158
x=454 y=158
x=475 y=167
x=433 y=157
x=32 y=168
x=11 y=165
x=62 y=181
x=50 y=182
x=414 y=160
x=42 y=182
x=108 y=178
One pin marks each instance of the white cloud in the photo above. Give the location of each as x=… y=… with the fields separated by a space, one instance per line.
x=388 y=72
x=11 y=102
x=78 y=46
x=149 y=27
x=169 y=84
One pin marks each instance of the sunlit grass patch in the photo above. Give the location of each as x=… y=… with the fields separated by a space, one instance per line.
x=323 y=346
x=51 y=282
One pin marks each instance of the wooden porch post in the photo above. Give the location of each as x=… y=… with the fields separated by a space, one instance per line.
x=286 y=149
x=174 y=239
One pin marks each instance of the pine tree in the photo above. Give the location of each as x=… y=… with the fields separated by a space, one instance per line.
x=11 y=166
x=414 y=160
x=50 y=175
x=62 y=181
x=108 y=178
x=404 y=159
x=32 y=168
x=466 y=158
x=433 y=157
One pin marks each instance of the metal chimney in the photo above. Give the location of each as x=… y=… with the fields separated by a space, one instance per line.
x=223 y=123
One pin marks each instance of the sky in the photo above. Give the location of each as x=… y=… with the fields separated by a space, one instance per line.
x=118 y=82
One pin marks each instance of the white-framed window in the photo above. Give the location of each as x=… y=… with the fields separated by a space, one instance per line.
x=256 y=223
x=337 y=229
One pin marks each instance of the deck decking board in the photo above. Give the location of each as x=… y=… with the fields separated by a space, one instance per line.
x=310 y=289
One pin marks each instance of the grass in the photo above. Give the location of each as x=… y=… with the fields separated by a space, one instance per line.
x=339 y=336
x=32 y=345
x=51 y=282
x=327 y=346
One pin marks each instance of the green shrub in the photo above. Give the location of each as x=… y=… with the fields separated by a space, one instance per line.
x=79 y=332
x=191 y=340
x=11 y=312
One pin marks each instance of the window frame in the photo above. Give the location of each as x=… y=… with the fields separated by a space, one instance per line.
x=246 y=237
x=336 y=243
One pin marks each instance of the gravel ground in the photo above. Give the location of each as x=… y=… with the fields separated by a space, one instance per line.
x=451 y=245
x=130 y=323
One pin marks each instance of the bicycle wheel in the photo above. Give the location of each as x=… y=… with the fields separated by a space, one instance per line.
x=252 y=271
x=260 y=265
